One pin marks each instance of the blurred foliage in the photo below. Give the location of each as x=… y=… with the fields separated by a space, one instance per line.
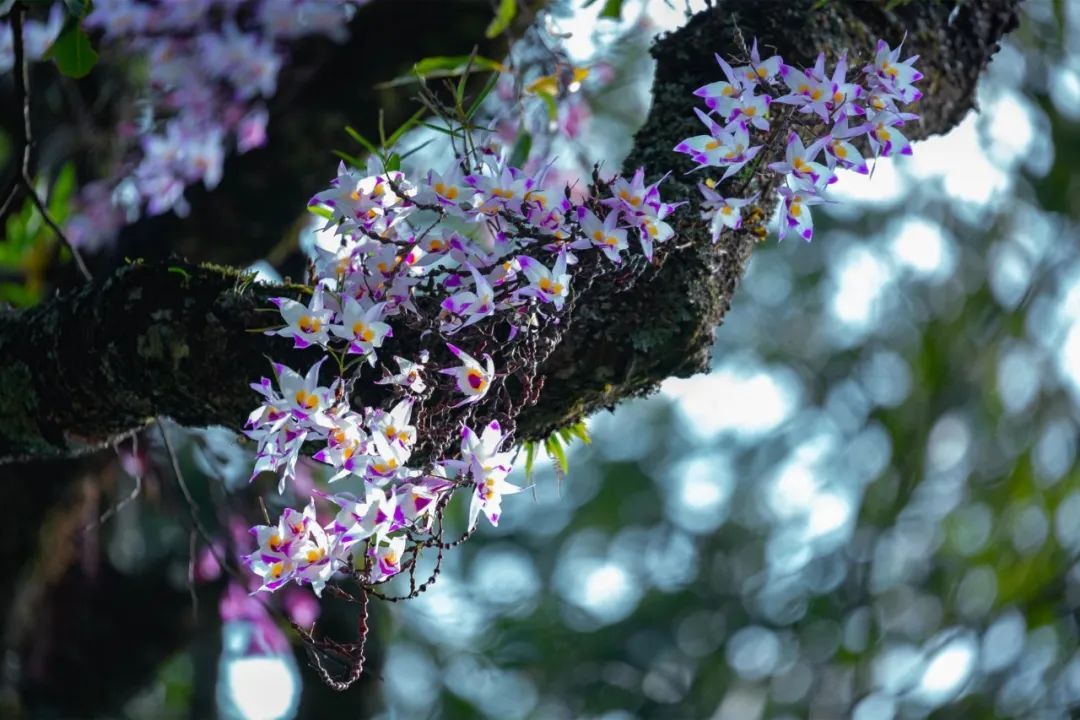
x=28 y=245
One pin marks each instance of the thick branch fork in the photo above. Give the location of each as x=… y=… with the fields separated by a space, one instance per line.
x=181 y=340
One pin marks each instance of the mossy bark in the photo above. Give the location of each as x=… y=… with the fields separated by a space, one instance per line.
x=176 y=339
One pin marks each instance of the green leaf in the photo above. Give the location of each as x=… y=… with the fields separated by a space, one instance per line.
x=612 y=9
x=482 y=96
x=367 y=144
x=530 y=458
x=521 y=150
x=453 y=65
x=350 y=159
x=439 y=128
x=405 y=127
x=555 y=449
x=579 y=431
x=552 y=108
x=393 y=163
x=503 y=17
x=323 y=212
x=60 y=194
x=72 y=52
x=441 y=66
x=418 y=148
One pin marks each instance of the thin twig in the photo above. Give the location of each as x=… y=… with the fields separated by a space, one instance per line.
x=192 y=506
x=107 y=515
x=26 y=140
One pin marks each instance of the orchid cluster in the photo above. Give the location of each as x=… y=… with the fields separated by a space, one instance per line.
x=479 y=255
x=210 y=67
x=836 y=111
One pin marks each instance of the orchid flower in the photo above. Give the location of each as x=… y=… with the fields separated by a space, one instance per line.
x=799 y=161
x=894 y=75
x=720 y=96
x=796 y=211
x=884 y=138
x=472 y=379
x=722 y=147
x=361 y=324
x=758 y=70
x=605 y=235
x=307 y=324
x=550 y=286
x=471 y=305
x=409 y=375
x=721 y=212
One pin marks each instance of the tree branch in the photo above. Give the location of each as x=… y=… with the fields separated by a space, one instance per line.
x=176 y=339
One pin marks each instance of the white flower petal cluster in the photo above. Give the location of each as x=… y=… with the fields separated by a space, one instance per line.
x=737 y=112
x=475 y=248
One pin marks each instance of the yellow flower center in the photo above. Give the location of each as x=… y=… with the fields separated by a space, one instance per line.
x=363 y=332
x=306 y=400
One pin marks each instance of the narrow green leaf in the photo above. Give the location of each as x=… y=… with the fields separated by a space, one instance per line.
x=555 y=449
x=521 y=150
x=405 y=127
x=503 y=17
x=417 y=149
x=579 y=430
x=482 y=96
x=350 y=159
x=60 y=193
x=453 y=65
x=367 y=144
x=530 y=458
x=442 y=66
x=439 y=128
x=552 y=108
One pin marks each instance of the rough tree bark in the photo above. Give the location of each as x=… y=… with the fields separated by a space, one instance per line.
x=173 y=339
